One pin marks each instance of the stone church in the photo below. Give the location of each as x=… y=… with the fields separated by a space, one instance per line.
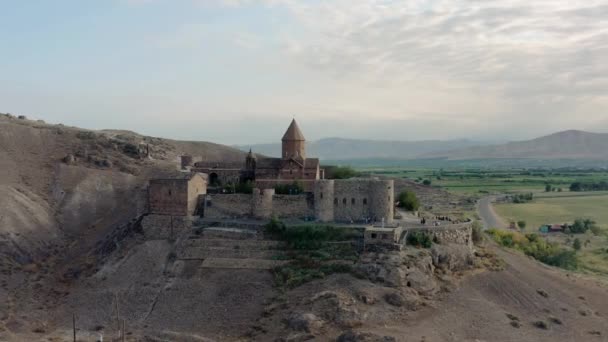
x=358 y=200
x=265 y=172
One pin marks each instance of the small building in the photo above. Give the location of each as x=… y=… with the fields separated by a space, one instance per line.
x=382 y=236
x=551 y=228
x=556 y=228
x=177 y=196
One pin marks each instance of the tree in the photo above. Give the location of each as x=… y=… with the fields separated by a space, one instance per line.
x=408 y=201
x=342 y=172
x=427 y=182
x=576 y=244
x=548 y=187
x=521 y=224
x=577 y=227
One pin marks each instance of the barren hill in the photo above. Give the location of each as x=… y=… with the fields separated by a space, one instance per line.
x=58 y=181
x=563 y=145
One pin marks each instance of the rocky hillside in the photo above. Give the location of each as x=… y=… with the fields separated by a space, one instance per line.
x=61 y=184
x=563 y=145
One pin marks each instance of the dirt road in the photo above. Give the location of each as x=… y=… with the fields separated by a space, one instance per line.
x=488 y=216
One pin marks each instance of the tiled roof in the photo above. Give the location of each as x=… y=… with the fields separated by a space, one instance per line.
x=293 y=132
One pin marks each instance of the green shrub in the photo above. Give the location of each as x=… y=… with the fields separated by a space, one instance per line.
x=408 y=201
x=304 y=269
x=541 y=250
x=521 y=224
x=419 y=239
x=426 y=182
x=576 y=244
x=342 y=172
x=294 y=188
x=477 y=232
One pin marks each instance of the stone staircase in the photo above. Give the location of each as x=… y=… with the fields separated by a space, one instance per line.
x=232 y=248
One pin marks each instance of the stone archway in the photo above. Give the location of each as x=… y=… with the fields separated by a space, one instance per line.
x=214 y=179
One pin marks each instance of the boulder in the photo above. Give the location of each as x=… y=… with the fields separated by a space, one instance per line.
x=353 y=336
x=306 y=322
x=69 y=159
x=452 y=257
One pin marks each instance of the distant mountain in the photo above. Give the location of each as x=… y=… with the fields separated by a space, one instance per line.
x=344 y=149
x=570 y=144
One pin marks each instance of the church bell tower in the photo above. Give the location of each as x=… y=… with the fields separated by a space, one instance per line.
x=294 y=144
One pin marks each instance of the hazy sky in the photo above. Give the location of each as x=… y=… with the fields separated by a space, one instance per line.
x=237 y=71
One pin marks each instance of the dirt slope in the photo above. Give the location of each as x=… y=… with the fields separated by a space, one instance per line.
x=478 y=310
x=62 y=189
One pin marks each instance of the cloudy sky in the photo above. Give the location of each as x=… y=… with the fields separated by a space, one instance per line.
x=237 y=71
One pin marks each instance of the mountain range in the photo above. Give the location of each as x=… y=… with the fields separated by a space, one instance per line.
x=571 y=145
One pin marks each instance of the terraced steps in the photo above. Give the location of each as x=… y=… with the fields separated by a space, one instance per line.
x=257 y=264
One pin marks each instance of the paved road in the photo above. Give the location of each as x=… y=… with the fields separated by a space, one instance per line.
x=488 y=216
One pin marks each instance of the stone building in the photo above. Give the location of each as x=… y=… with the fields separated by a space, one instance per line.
x=360 y=200
x=293 y=165
x=177 y=196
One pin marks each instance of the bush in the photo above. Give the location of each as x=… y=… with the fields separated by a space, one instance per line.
x=581 y=226
x=576 y=244
x=521 y=224
x=419 y=239
x=294 y=188
x=341 y=172
x=426 y=182
x=408 y=201
x=523 y=198
x=275 y=227
x=476 y=234
x=307 y=237
x=244 y=187
x=539 y=249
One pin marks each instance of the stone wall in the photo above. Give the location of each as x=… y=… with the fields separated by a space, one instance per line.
x=360 y=200
x=227 y=206
x=262 y=203
x=162 y=227
x=293 y=206
x=178 y=196
x=196 y=186
x=168 y=197
x=457 y=234
x=324 y=200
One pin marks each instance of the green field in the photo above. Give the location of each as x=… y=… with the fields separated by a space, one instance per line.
x=565 y=208
x=560 y=208
x=483 y=181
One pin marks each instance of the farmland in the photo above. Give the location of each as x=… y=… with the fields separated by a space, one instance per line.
x=484 y=181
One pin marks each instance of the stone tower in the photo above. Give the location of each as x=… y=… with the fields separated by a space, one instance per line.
x=294 y=144
x=250 y=161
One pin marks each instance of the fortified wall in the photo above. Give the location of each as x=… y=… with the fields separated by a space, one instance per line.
x=352 y=200
x=456 y=233
x=262 y=204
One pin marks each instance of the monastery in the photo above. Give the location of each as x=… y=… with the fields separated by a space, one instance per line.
x=358 y=200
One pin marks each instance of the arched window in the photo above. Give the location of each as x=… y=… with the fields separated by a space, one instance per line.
x=352 y=201
x=321 y=195
x=365 y=201
x=336 y=200
x=344 y=201
x=169 y=192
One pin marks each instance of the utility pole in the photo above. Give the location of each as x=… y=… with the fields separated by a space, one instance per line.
x=74 y=325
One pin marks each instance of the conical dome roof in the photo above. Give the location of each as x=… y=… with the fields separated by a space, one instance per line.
x=293 y=132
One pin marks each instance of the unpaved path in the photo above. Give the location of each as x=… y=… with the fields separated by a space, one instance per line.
x=488 y=216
